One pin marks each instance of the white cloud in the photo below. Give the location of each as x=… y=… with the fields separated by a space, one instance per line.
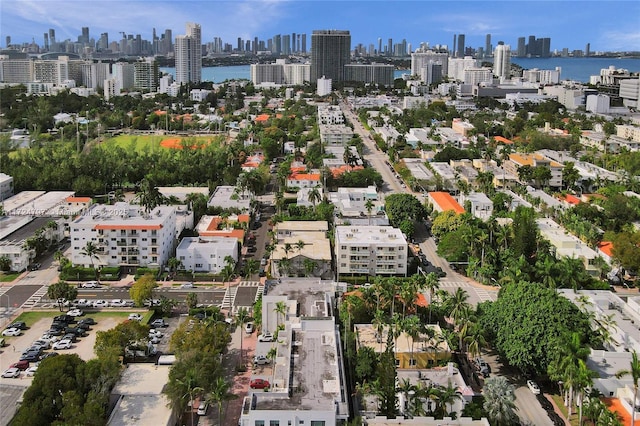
x=621 y=40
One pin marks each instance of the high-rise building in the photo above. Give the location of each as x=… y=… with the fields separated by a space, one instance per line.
x=522 y=47
x=8 y=41
x=502 y=61
x=455 y=39
x=46 y=41
x=330 y=52
x=379 y=46
x=188 y=54
x=304 y=43
x=460 y=52
x=587 y=50
x=390 y=47
x=487 y=44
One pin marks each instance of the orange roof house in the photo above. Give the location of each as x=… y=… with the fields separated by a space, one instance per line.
x=570 y=199
x=606 y=248
x=262 y=118
x=503 y=140
x=443 y=201
x=210 y=226
x=339 y=170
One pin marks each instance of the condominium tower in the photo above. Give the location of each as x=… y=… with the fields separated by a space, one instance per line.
x=502 y=61
x=330 y=52
x=188 y=53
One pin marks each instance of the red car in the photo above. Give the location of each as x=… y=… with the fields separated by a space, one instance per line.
x=23 y=365
x=259 y=384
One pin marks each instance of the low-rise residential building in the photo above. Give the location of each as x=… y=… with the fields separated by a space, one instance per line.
x=125 y=234
x=370 y=250
x=628 y=132
x=6 y=186
x=535 y=160
x=207 y=254
x=462 y=127
x=335 y=134
x=302 y=249
x=330 y=114
x=217 y=226
x=567 y=245
x=352 y=202
x=15 y=231
x=138 y=395
x=480 y=205
x=426 y=351
x=230 y=197
x=303 y=180
x=443 y=201
x=307 y=377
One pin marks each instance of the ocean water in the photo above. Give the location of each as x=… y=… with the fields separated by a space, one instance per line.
x=578 y=69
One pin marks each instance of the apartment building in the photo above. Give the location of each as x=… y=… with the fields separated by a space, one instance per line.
x=567 y=245
x=303 y=248
x=125 y=235
x=230 y=197
x=6 y=186
x=206 y=254
x=370 y=250
x=535 y=160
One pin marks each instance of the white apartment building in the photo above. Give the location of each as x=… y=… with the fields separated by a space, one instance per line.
x=125 y=235
x=123 y=73
x=474 y=76
x=325 y=85
x=481 y=205
x=370 y=250
x=567 y=245
x=628 y=132
x=330 y=114
x=307 y=375
x=422 y=56
x=6 y=186
x=16 y=230
x=630 y=92
x=206 y=254
x=228 y=197
x=544 y=77
x=351 y=202
x=335 y=134
x=457 y=67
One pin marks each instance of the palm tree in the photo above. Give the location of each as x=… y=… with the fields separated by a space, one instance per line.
x=566 y=364
x=242 y=316
x=448 y=397
x=432 y=284
x=280 y=309
x=456 y=304
x=219 y=394
x=315 y=196
x=250 y=268
x=174 y=264
x=149 y=196
x=91 y=250
x=369 y=206
x=288 y=247
x=634 y=371
x=412 y=326
x=499 y=401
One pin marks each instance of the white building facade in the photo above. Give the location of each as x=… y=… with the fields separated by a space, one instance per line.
x=371 y=250
x=206 y=254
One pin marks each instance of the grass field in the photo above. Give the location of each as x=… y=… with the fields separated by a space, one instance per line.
x=8 y=277
x=151 y=143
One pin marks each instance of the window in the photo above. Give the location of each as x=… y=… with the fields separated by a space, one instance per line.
x=412 y=362
x=343 y=248
x=144 y=239
x=397 y=362
x=317 y=422
x=153 y=241
x=401 y=249
x=343 y=265
x=259 y=423
x=198 y=265
x=274 y=422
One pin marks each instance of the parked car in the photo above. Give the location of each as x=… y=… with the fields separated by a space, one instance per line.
x=11 y=373
x=261 y=360
x=202 y=408
x=62 y=344
x=187 y=285
x=12 y=332
x=20 y=365
x=88 y=320
x=44 y=344
x=70 y=336
x=90 y=284
x=156 y=323
x=49 y=338
x=252 y=249
x=31 y=356
x=249 y=327
x=259 y=384
x=265 y=337
x=117 y=303
x=34 y=267
x=48 y=355
x=65 y=318
x=84 y=303
x=135 y=317
x=18 y=324
x=154 y=339
x=100 y=304
x=533 y=387
x=156 y=333
x=31 y=371
x=54 y=331
x=75 y=313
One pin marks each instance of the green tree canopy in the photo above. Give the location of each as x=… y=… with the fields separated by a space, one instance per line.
x=142 y=289
x=60 y=292
x=401 y=207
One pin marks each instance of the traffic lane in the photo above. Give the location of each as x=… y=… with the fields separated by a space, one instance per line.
x=529 y=409
x=9 y=396
x=18 y=294
x=207 y=296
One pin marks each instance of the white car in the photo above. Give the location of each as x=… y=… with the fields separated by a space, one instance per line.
x=49 y=338
x=11 y=373
x=75 y=313
x=117 y=303
x=533 y=387
x=90 y=284
x=249 y=327
x=100 y=304
x=84 y=303
x=187 y=285
x=44 y=344
x=155 y=333
x=62 y=344
x=135 y=317
x=265 y=337
x=31 y=371
x=261 y=360
x=12 y=332
x=154 y=339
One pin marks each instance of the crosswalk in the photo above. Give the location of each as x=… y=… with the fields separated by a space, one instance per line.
x=35 y=298
x=482 y=293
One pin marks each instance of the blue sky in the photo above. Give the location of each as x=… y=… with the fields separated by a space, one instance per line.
x=607 y=25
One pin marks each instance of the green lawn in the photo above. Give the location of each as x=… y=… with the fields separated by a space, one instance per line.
x=145 y=143
x=8 y=277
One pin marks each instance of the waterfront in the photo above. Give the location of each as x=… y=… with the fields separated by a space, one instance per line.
x=578 y=69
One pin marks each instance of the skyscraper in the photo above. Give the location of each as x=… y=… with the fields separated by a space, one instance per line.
x=487 y=44
x=502 y=61
x=330 y=52
x=188 y=53
x=460 y=53
x=522 y=47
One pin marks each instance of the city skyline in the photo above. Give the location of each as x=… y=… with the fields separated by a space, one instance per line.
x=569 y=24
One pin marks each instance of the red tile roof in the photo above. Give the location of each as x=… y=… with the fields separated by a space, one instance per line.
x=500 y=139
x=262 y=118
x=614 y=405
x=304 y=176
x=606 y=247
x=339 y=170
x=78 y=199
x=446 y=202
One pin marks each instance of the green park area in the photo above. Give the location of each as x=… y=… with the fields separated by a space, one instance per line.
x=153 y=143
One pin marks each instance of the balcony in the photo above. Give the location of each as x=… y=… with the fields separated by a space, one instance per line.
x=122 y=244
